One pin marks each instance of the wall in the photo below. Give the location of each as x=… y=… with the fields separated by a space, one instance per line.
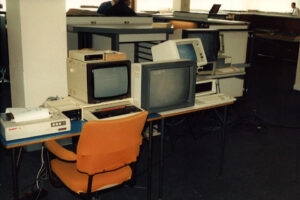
x=37 y=50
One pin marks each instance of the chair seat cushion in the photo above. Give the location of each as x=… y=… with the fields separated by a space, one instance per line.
x=77 y=182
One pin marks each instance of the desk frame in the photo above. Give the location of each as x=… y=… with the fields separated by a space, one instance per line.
x=119 y=34
x=162 y=117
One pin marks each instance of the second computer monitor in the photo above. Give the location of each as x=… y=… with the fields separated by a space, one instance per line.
x=190 y=48
x=210 y=41
x=164 y=85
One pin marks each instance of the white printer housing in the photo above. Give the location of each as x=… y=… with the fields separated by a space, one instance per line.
x=56 y=123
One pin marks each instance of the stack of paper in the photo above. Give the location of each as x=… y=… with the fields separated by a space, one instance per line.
x=28 y=114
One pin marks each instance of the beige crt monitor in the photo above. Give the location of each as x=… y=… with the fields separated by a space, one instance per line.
x=189 y=48
x=98 y=81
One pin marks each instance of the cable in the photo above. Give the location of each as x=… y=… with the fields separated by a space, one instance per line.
x=41 y=175
x=41 y=168
x=19 y=156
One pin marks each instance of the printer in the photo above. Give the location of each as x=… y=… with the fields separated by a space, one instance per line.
x=13 y=130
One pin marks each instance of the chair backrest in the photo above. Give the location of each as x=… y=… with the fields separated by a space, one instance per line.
x=106 y=145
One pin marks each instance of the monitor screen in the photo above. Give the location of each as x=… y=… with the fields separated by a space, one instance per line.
x=187 y=51
x=210 y=41
x=214 y=9
x=110 y=81
x=169 y=87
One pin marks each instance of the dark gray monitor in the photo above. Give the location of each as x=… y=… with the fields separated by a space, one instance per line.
x=168 y=85
x=210 y=41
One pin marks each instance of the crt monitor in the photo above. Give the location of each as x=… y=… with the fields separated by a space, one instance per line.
x=190 y=48
x=210 y=41
x=99 y=81
x=163 y=85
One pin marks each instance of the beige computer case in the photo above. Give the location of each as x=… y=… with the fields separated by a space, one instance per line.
x=77 y=79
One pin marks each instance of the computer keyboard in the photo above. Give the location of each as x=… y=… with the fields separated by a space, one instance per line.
x=228 y=70
x=115 y=111
x=213 y=99
x=203 y=102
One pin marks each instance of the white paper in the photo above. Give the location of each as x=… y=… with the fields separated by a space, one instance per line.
x=28 y=114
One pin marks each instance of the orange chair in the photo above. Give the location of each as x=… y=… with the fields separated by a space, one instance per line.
x=104 y=151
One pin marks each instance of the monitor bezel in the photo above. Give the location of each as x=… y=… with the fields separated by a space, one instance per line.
x=145 y=87
x=90 y=80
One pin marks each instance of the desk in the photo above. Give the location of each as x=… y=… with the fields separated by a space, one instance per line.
x=76 y=129
x=119 y=34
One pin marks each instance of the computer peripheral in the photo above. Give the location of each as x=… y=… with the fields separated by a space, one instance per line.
x=213 y=99
x=97 y=82
x=115 y=111
x=187 y=48
x=229 y=70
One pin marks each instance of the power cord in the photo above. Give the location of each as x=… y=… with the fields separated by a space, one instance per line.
x=37 y=191
x=42 y=173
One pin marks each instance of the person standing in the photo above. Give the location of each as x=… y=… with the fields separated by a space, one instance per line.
x=120 y=9
x=295 y=10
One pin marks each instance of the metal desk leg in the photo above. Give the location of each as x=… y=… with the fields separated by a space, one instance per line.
x=150 y=161
x=136 y=58
x=223 y=134
x=161 y=161
x=115 y=42
x=15 y=174
x=85 y=40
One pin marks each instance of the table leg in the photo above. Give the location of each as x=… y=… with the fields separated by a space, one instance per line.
x=85 y=40
x=15 y=174
x=136 y=58
x=115 y=42
x=223 y=135
x=161 y=161
x=150 y=161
